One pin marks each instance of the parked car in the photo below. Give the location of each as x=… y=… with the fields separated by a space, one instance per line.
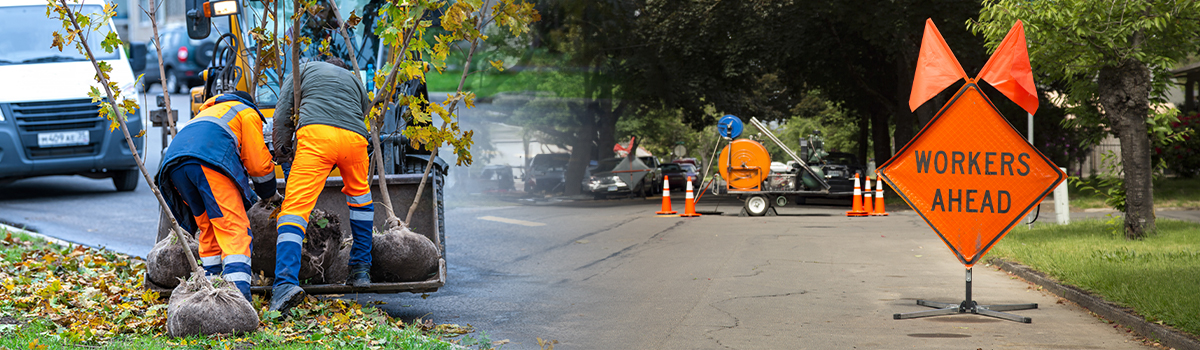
x=677 y=175
x=48 y=123
x=839 y=169
x=546 y=173
x=656 y=177
x=495 y=178
x=184 y=59
x=610 y=178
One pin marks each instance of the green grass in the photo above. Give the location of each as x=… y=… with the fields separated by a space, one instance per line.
x=1159 y=276
x=491 y=82
x=1168 y=192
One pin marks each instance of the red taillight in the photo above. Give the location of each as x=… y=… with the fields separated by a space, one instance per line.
x=182 y=54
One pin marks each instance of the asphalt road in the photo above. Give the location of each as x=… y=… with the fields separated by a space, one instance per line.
x=611 y=275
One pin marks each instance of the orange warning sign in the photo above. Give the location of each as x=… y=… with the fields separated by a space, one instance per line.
x=970 y=175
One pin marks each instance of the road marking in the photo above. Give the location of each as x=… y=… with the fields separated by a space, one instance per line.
x=511 y=221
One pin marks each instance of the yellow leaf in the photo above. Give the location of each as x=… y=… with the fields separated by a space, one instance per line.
x=498 y=64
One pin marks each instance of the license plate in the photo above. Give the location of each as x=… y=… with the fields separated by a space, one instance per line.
x=65 y=138
x=835 y=173
x=612 y=188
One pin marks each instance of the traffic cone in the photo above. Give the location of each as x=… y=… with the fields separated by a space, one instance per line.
x=879 y=198
x=868 y=196
x=857 y=209
x=689 y=205
x=666 y=207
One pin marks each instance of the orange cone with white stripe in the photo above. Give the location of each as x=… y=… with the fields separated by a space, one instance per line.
x=666 y=207
x=868 y=196
x=879 y=198
x=857 y=209
x=689 y=205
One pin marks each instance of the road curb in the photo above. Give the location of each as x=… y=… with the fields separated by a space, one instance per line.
x=37 y=235
x=1164 y=335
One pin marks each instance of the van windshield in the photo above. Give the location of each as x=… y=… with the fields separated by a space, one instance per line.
x=27 y=37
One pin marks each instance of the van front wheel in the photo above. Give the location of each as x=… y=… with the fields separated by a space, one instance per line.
x=125 y=180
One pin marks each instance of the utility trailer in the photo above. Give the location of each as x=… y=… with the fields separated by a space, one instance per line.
x=745 y=167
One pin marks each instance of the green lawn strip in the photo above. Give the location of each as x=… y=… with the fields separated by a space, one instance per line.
x=489 y=83
x=1157 y=276
x=1168 y=192
x=54 y=297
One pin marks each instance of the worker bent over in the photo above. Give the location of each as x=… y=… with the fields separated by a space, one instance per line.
x=330 y=132
x=206 y=177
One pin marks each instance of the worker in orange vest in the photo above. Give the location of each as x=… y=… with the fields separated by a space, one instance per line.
x=213 y=170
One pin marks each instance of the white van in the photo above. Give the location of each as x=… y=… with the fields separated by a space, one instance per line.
x=48 y=124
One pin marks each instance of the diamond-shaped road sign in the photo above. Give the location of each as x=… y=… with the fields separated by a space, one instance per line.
x=970 y=175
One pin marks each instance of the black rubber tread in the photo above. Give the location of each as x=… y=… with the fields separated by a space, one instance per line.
x=126 y=180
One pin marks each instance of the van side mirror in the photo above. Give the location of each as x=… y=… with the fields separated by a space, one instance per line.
x=198 y=25
x=137 y=57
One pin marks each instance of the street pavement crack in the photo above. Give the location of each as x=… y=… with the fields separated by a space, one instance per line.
x=738 y=322
x=627 y=249
x=573 y=240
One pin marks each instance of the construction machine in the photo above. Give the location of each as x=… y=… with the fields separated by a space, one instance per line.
x=747 y=170
x=231 y=69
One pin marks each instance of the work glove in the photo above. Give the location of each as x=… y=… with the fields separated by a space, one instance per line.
x=276 y=199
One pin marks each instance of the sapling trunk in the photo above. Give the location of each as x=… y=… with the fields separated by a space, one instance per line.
x=162 y=73
x=176 y=230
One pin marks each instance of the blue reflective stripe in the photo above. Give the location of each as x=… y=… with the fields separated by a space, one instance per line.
x=293 y=219
x=210 y=260
x=262 y=179
x=289 y=237
x=237 y=277
x=362 y=215
x=359 y=200
x=236 y=258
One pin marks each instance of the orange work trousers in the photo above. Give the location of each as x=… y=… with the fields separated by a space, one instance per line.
x=222 y=226
x=318 y=149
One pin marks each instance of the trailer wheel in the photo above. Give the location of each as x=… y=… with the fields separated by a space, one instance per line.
x=757 y=205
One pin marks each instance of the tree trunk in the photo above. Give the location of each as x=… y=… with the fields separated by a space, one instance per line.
x=881 y=135
x=607 y=124
x=581 y=151
x=864 y=137
x=1124 y=92
x=903 y=117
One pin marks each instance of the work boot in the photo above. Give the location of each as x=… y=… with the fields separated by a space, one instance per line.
x=360 y=276
x=286 y=296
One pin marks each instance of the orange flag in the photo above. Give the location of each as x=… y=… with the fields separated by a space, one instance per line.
x=1009 y=71
x=936 y=67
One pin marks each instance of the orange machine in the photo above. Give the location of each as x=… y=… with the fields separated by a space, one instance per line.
x=747 y=166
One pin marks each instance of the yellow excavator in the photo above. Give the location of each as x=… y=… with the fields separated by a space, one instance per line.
x=234 y=57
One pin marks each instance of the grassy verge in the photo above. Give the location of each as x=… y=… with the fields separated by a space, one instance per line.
x=57 y=297
x=1168 y=192
x=489 y=83
x=1157 y=276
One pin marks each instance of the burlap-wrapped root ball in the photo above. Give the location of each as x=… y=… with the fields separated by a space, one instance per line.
x=337 y=270
x=321 y=240
x=200 y=306
x=263 y=238
x=400 y=255
x=167 y=262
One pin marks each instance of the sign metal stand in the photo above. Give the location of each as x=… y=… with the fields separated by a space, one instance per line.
x=969 y=306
